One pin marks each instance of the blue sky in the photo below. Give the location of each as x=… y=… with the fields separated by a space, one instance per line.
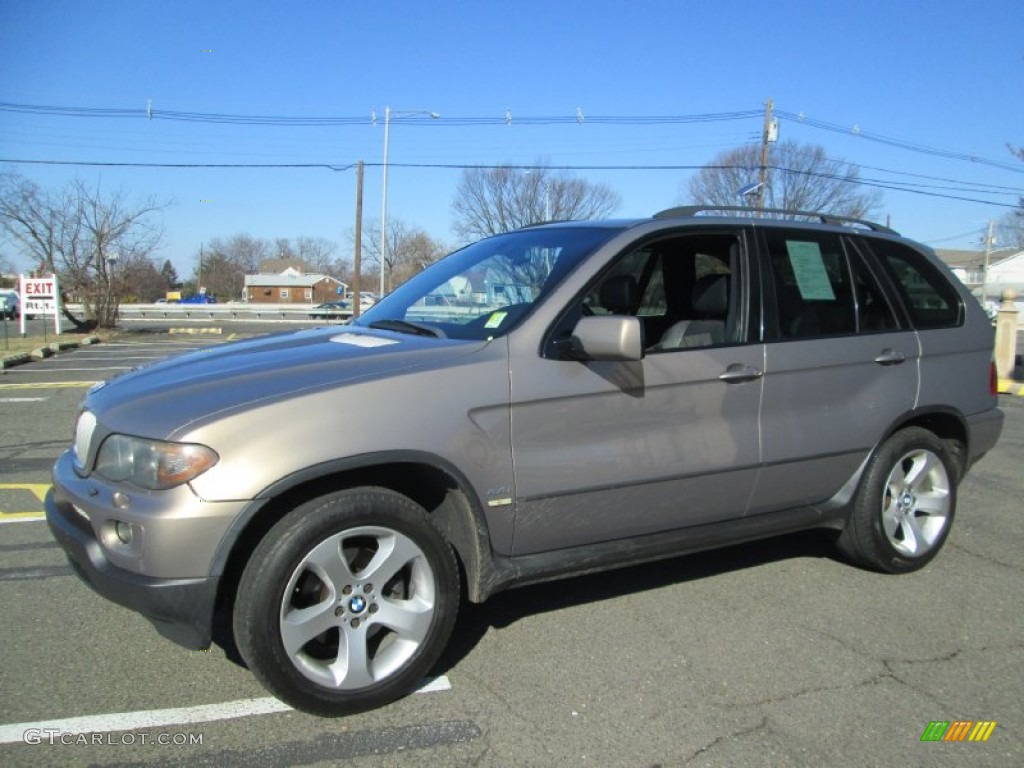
x=938 y=75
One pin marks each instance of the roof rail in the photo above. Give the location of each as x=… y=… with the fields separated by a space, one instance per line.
x=825 y=218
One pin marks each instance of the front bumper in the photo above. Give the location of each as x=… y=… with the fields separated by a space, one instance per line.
x=165 y=574
x=180 y=609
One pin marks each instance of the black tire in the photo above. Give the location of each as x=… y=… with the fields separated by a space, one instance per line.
x=905 y=505
x=372 y=590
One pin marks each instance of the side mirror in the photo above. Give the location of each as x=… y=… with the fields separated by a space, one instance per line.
x=611 y=337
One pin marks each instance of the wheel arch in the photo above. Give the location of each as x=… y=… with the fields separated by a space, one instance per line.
x=433 y=483
x=949 y=425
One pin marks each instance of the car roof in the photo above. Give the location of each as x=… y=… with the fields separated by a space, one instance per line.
x=739 y=216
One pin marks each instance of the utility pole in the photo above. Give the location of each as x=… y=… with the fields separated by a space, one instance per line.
x=768 y=136
x=989 y=240
x=358 y=257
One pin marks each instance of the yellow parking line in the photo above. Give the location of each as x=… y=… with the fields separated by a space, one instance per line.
x=49 y=385
x=1010 y=387
x=36 y=489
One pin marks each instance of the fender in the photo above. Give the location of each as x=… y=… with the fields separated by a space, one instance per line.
x=459 y=516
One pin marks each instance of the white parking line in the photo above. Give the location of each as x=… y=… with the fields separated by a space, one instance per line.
x=159 y=718
x=23 y=399
x=21 y=517
x=59 y=369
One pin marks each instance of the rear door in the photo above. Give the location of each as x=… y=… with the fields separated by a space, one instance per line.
x=840 y=365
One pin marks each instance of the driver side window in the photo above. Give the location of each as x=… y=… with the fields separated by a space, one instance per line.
x=682 y=289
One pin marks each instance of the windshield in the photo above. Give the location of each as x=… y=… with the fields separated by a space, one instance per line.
x=481 y=291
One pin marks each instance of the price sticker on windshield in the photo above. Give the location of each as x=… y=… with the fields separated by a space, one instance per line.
x=496 y=319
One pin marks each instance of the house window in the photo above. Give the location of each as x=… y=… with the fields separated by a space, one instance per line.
x=284 y=293
x=309 y=294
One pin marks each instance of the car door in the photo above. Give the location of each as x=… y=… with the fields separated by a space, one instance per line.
x=840 y=366
x=610 y=450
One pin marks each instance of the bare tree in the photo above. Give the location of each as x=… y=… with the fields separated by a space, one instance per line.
x=116 y=236
x=86 y=236
x=6 y=268
x=799 y=177
x=223 y=263
x=1010 y=229
x=493 y=200
x=410 y=250
x=317 y=252
x=142 y=281
x=414 y=253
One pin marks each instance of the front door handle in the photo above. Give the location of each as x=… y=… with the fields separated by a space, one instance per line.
x=737 y=373
x=890 y=357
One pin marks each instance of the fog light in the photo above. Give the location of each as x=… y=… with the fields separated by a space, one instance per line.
x=123 y=531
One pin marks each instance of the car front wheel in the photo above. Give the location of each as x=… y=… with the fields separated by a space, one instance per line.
x=347 y=602
x=905 y=504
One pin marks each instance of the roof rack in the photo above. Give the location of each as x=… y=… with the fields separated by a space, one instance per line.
x=824 y=218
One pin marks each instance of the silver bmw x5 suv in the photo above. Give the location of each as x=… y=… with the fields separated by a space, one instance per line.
x=546 y=402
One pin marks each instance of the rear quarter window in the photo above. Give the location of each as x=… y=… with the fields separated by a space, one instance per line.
x=928 y=296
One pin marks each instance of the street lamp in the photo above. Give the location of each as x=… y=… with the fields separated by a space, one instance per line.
x=384 y=183
x=749 y=190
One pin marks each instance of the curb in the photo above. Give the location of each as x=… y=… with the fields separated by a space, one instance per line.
x=46 y=351
x=12 y=360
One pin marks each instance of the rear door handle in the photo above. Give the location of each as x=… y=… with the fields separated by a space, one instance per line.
x=737 y=373
x=890 y=357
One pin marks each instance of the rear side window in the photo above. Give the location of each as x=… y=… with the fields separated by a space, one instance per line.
x=931 y=301
x=813 y=291
x=821 y=289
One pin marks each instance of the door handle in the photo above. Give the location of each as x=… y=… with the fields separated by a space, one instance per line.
x=890 y=357
x=738 y=373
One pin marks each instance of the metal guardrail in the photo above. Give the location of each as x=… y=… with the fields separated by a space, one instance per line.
x=199 y=312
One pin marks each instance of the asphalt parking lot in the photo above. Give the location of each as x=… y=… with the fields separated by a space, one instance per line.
x=769 y=654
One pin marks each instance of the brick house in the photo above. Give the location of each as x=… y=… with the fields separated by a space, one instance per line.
x=293 y=288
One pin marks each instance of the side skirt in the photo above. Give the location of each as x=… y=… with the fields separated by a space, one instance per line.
x=508 y=572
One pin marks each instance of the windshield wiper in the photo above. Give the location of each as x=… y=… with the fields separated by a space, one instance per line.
x=404 y=326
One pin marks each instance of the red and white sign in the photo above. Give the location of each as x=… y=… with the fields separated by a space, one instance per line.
x=40 y=296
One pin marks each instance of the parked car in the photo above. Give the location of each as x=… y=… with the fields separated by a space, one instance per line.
x=199 y=298
x=602 y=394
x=330 y=309
x=11 y=304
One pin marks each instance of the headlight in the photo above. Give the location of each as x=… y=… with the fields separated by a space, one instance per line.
x=152 y=464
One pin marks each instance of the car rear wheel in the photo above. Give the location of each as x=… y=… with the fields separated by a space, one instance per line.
x=905 y=505
x=347 y=602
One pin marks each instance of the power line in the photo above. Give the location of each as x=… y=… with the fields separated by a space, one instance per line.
x=116 y=164
x=577 y=118
x=949 y=154
x=333 y=121
x=910 y=189
x=150 y=113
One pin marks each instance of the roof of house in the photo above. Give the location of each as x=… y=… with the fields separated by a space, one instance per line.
x=975 y=258
x=278 y=266
x=288 y=281
x=961 y=258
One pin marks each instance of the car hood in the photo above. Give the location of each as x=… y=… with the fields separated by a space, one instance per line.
x=173 y=395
